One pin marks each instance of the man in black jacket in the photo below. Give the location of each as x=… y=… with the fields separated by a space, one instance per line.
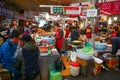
x=74 y=34
x=30 y=55
x=115 y=46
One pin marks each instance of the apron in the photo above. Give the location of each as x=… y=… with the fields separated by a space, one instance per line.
x=58 y=42
x=88 y=32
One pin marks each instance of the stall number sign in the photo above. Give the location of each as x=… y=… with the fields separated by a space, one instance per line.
x=57 y=10
x=92 y=13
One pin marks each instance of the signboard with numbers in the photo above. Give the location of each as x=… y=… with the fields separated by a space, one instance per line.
x=92 y=13
x=57 y=10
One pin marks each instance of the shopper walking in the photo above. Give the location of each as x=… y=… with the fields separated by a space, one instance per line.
x=115 y=41
x=29 y=55
x=8 y=50
x=74 y=34
x=13 y=26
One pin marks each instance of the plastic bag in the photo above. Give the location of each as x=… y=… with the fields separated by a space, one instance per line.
x=88 y=48
x=59 y=65
x=73 y=56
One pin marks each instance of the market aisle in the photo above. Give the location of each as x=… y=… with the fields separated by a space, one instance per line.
x=105 y=75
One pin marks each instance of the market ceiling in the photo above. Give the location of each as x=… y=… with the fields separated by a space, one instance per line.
x=33 y=5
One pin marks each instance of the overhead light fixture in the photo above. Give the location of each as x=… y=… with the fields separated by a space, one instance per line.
x=47 y=16
x=58 y=16
x=50 y=6
x=109 y=20
x=115 y=18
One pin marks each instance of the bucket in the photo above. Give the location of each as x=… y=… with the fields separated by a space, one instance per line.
x=111 y=62
x=74 y=68
x=55 y=75
x=97 y=69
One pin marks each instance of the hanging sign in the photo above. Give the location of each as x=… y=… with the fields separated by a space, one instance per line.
x=84 y=9
x=110 y=7
x=2 y=11
x=6 y=12
x=57 y=10
x=9 y=13
x=92 y=13
x=72 y=11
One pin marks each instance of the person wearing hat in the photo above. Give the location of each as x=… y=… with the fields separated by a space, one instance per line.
x=29 y=56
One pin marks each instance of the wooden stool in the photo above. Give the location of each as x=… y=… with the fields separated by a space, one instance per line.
x=5 y=74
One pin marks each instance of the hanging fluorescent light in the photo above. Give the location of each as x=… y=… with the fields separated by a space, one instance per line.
x=115 y=18
x=50 y=6
x=47 y=16
x=109 y=20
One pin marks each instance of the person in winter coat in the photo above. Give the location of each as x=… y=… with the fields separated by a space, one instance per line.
x=8 y=50
x=74 y=34
x=30 y=55
x=115 y=40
